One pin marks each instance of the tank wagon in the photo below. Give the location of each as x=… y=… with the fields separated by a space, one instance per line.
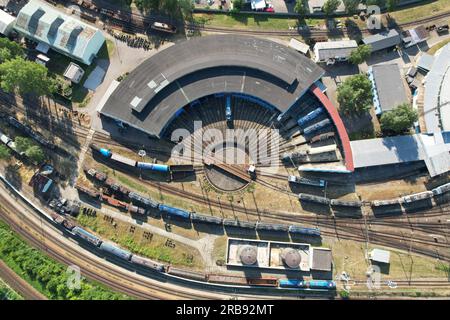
x=315 y=183
x=343 y=203
x=312 y=198
x=116 y=251
x=89 y=237
x=313 y=284
x=317 y=126
x=30 y=132
x=441 y=189
x=310 y=116
x=417 y=196
x=174 y=212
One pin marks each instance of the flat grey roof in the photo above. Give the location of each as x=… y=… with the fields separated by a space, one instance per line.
x=152 y=94
x=389 y=86
x=383 y=40
x=322 y=259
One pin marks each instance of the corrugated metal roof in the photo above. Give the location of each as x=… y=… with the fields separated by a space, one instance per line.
x=383 y=40
x=437 y=93
x=334 y=49
x=64 y=33
x=6 y=21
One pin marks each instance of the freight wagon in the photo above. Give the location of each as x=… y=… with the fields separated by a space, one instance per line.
x=321 y=284
x=272 y=227
x=295 y=156
x=390 y=202
x=441 y=189
x=118 y=252
x=322 y=137
x=187 y=274
x=195 y=217
x=315 y=199
x=141 y=200
x=87 y=236
x=324 y=149
x=317 y=126
x=310 y=116
x=335 y=202
x=417 y=196
x=305 y=231
x=92 y=193
x=147 y=263
x=239 y=224
x=34 y=135
x=174 y=212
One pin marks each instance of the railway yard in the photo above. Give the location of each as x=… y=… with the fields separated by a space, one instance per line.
x=219 y=168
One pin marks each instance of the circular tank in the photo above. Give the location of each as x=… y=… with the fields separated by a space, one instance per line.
x=291 y=258
x=248 y=255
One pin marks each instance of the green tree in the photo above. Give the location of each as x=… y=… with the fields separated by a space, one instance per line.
x=5 y=153
x=391 y=4
x=145 y=5
x=237 y=5
x=331 y=6
x=25 y=76
x=360 y=54
x=35 y=154
x=355 y=95
x=23 y=143
x=300 y=7
x=380 y=3
x=9 y=50
x=351 y=5
x=398 y=120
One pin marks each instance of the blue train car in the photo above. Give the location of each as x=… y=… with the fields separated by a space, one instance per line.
x=321 y=284
x=153 y=167
x=228 y=109
x=112 y=249
x=89 y=237
x=105 y=152
x=305 y=231
x=291 y=283
x=310 y=116
x=317 y=126
x=175 y=212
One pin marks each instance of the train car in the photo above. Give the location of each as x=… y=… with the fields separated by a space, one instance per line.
x=33 y=134
x=311 y=182
x=4 y=138
x=136 y=210
x=225 y=279
x=322 y=284
x=317 y=126
x=291 y=283
x=147 y=263
x=116 y=251
x=123 y=160
x=90 y=192
x=239 y=224
x=152 y=167
x=271 y=227
x=146 y=202
x=174 y=212
x=441 y=189
x=310 y=116
x=295 y=156
x=390 y=202
x=312 y=198
x=417 y=196
x=305 y=231
x=324 y=149
x=342 y=203
x=322 y=137
x=206 y=219
x=181 y=168
x=89 y=237
x=264 y=282
x=187 y=274
x=164 y=27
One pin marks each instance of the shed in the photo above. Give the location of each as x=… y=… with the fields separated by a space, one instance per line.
x=425 y=62
x=74 y=73
x=299 y=46
x=321 y=259
x=334 y=50
x=383 y=40
x=6 y=22
x=378 y=255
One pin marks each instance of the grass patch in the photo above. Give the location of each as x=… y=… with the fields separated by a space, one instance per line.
x=45 y=274
x=437 y=46
x=421 y=11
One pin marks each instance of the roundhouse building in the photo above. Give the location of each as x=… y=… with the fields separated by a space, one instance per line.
x=274 y=75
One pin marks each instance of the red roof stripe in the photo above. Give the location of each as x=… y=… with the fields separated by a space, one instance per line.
x=345 y=141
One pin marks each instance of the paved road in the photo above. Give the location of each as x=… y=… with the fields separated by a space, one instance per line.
x=18 y=284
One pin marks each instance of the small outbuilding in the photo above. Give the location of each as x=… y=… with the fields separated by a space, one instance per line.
x=6 y=23
x=299 y=46
x=334 y=51
x=383 y=40
x=380 y=256
x=74 y=73
x=321 y=259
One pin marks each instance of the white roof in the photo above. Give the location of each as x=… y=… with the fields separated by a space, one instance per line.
x=258 y=4
x=379 y=255
x=299 y=46
x=6 y=21
x=425 y=62
x=334 y=49
x=72 y=71
x=437 y=93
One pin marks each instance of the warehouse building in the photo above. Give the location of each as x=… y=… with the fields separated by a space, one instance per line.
x=6 y=23
x=383 y=40
x=387 y=86
x=334 y=51
x=52 y=29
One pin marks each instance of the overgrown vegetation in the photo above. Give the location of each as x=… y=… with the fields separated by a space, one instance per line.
x=355 y=95
x=360 y=54
x=46 y=275
x=173 y=8
x=5 y=153
x=32 y=150
x=331 y=6
x=398 y=120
